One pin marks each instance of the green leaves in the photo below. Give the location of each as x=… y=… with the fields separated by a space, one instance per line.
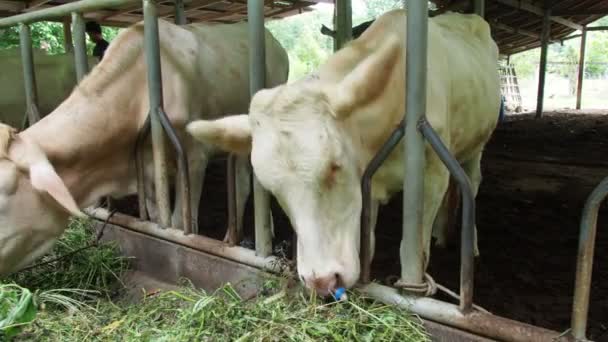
x=17 y=308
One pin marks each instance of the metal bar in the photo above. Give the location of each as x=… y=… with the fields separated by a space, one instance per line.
x=180 y=14
x=344 y=23
x=488 y=325
x=411 y=250
x=542 y=70
x=584 y=262
x=366 y=192
x=139 y=167
x=597 y=28
x=197 y=242
x=233 y=237
x=155 y=89
x=581 y=69
x=257 y=79
x=480 y=8
x=183 y=170
x=467 y=256
x=80 y=47
x=29 y=74
x=62 y=11
x=68 y=46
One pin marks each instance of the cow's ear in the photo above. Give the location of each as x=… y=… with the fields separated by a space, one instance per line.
x=44 y=178
x=231 y=133
x=367 y=80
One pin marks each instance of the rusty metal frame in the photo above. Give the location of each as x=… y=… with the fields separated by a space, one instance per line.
x=584 y=262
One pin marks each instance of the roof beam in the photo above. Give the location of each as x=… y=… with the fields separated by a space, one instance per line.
x=597 y=28
x=526 y=6
x=523 y=32
x=32 y=5
x=11 y=6
x=581 y=12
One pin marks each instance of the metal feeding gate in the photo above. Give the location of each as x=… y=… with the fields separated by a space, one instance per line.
x=415 y=128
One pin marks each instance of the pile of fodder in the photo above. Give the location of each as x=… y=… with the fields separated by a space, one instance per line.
x=79 y=298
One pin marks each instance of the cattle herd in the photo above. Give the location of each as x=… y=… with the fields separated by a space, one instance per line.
x=308 y=141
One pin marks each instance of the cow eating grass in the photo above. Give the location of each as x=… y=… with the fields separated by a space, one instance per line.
x=84 y=149
x=311 y=140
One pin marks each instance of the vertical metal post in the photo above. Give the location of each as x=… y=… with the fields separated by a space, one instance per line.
x=29 y=74
x=67 y=35
x=584 y=262
x=542 y=70
x=344 y=23
x=155 y=89
x=411 y=251
x=80 y=47
x=480 y=8
x=180 y=14
x=257 y=81
x=508 y=59
x=581 y=68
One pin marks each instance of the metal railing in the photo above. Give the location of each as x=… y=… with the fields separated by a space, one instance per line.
x=158 y=120
x=584 y=263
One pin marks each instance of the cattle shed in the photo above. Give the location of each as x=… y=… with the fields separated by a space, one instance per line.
x=537 y=208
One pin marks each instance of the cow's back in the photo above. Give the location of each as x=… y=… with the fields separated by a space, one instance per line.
x=470 y=70
x=223 y=65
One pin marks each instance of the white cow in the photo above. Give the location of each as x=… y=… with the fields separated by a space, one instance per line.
x=311 y=140
x=83 y=150
x=55 y=78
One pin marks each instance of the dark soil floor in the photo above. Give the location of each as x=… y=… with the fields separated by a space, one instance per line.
x=537 y=175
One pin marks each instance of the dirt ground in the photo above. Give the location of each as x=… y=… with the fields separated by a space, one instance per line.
x=537 y=175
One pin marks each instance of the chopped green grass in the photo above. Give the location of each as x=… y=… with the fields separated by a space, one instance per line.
x=94 y=313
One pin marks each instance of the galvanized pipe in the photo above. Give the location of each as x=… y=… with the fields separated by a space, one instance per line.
x=467 y=256
x=67 y=35
x=197 y=242
x=488 y=325
x=581 y=68
x=80 y=47
x=232 y=233
x=257 y=81
x=82 y=6
x=139 y=167
x=155 y=89
x=29 y=74
x=180 y=14
x=344 y=23
x=480 y=8
x=542 y=70
x=584 y=262
x=183 y=170
x=411 y=250
x=366 y=194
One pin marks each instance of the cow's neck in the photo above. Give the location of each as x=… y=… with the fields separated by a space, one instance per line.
x=89 y=140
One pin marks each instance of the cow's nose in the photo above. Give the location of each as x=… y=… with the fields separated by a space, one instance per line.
x=325 y=285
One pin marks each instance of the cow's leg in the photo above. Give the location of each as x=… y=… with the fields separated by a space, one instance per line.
x=198 y=159
x=444 y=225
x=436 y=177
x=472 y=167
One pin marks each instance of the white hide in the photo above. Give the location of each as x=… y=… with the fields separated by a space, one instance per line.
x=311 y=140
x=88 y=141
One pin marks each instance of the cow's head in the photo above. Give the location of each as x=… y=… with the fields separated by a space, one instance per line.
x=34 y=202
x=303 y=150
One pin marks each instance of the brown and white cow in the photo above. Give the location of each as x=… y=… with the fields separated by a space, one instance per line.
x=84 y=149
x=311 y=140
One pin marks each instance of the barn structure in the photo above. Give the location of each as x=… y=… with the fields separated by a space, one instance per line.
x=172 y=252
